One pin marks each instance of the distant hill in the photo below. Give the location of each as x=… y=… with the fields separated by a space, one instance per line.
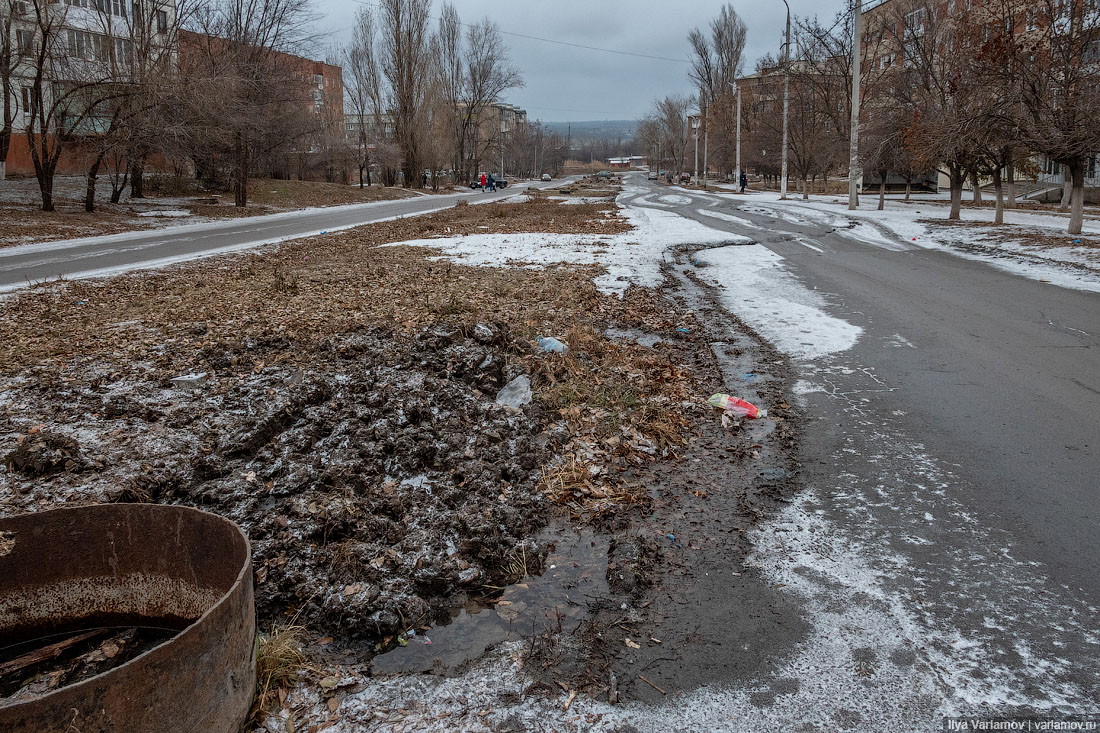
x=610 y=130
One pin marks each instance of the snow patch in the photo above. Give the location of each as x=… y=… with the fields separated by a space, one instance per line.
x=633 y=257
x=756 y=286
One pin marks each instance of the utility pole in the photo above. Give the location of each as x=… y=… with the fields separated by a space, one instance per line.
x=786 y=102
x=853 y=145
x=706 y=141
x=737 y=91
x=693 y=120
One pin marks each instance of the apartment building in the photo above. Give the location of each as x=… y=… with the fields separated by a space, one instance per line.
x=86 y=43
x=893 y=30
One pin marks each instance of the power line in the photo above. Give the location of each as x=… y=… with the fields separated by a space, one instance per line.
x=567 y=43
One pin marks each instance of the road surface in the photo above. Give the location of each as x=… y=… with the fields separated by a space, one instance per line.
x=112 y=254
x=947 y=543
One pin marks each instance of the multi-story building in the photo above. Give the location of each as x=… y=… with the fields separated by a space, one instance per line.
x=84 y=44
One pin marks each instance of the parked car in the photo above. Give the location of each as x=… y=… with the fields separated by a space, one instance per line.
x=546 y=177
x=502 y=182
x=652 y=176
x=603 y=174
x=685 y=178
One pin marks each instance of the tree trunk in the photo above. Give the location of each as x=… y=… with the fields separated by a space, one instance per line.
x=137 y=178
x=805 y=188
x=1011 y=171
x=360 y=176
x=882 y=191
x=908 y=187
x=1077 y=207
x=89 y=194
x=1067 y=189
x=958 y=178
x=3 y=170
x=977 y=188
x=240 y=182
x=999 y=213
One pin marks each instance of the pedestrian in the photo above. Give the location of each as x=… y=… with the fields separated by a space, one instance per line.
x=424 y=181
x=492 y=183
x=744 y=181
x=482 y=181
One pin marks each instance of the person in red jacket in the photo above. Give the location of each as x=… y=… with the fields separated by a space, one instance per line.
x=482 y=181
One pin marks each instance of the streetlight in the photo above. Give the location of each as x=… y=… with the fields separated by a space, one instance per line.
x=693 y=125
x=786 y=102
x=737 y=91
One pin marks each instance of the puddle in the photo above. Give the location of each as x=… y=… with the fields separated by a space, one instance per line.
x=575 y=573
x=648 y=340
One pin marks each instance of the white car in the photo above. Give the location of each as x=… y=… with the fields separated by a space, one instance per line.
x=652 y=176
x=546 y=177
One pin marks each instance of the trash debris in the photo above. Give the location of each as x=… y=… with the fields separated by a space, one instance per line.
x=189 y=381
x=737 y=406
x=631 y=643
x=1076 y=241
x=728 y=422
x=551 y=344
x=683 y=330
x=516 y=393
x=672 y=541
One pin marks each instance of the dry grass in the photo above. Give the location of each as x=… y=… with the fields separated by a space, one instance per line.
x=279 y=661
x=620 y=401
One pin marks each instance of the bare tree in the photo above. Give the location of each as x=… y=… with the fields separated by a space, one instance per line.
x=717 y=60
x=473 y=73
x=408 y=68
x=1056 y=61
x=16 y=45
x=244 y=95
x=363 y=84
x=72 y=80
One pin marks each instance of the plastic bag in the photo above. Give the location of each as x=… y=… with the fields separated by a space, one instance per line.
x=549 y=343
x=737 y=406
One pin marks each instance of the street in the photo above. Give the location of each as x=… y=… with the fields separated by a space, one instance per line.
x=950 y=465
x=112 y=254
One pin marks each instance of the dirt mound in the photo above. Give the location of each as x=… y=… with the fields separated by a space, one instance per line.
x=377 y=479
x=45 y=453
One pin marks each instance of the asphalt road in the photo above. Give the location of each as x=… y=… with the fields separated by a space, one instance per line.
x=952 y=455
x=107 y=255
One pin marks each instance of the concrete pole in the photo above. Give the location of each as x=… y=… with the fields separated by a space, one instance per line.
x=738 y=134
x=696 y=127
x=786 y=102
x=853 y=145
x=706 y=141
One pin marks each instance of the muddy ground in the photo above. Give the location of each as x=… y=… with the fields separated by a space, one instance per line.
x=347 y=421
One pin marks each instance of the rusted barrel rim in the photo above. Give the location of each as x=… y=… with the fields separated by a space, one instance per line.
x=233 y=610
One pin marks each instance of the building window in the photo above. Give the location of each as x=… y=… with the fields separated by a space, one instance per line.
x=111 y=7
x=24 y=41
x=1032 y=22
x=162 y=21
x=914 y=22
x=28 y=96
x=123 y=51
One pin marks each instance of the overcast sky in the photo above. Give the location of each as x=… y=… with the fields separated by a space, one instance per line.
x=563 y=83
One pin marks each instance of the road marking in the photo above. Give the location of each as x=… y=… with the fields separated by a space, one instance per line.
x=807 y=244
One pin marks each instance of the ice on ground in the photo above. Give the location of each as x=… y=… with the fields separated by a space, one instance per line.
x=727 y=217
x=631 y=258
x=1068 y=265
x=166 y=213
x=756 y=286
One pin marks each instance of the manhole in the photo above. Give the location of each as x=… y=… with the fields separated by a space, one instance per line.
x=132 y=617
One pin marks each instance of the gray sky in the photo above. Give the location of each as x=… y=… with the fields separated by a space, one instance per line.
x=564 y=83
